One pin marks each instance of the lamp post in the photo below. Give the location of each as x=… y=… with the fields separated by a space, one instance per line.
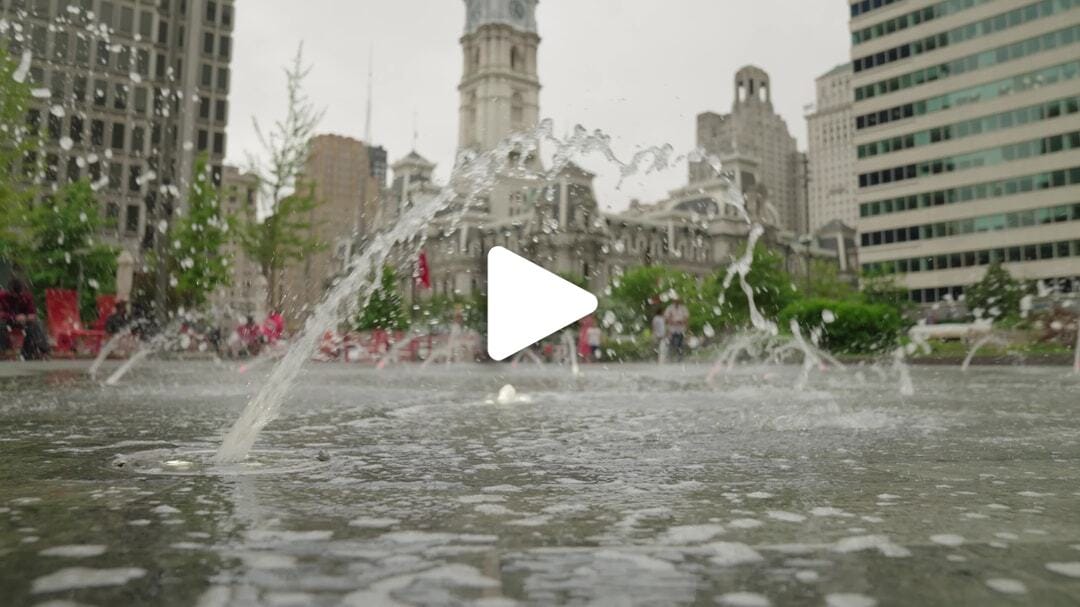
x=125 y=275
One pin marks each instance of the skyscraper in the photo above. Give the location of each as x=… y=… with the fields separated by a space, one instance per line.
x=753 y=129
x=832 y=183
x=342 y=173
x=967 y=118
x=127 y=94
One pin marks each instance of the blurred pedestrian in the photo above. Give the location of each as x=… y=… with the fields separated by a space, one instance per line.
x=19 y=313
x=677 y=320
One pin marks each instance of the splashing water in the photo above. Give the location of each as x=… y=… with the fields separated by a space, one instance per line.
x=571 y=353
x=978 y=345
x=109 y=347
x=1076 y=355
x=474 y=176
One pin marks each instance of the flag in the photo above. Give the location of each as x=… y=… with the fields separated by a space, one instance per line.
x=423 y=271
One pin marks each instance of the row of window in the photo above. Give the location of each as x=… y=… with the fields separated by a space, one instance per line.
x=980 y=191
x=975 y=126
x=978 y=61
x=952 y=294
x=101 y=133
x=923 y=15
x=1024 y=253
x=990 y=25
x=987 y=223
x=982 y=158
x=861 y=8
x=983 y=92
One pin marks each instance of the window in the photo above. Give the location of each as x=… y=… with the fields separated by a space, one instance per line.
x=131 y=226
x=97 y=132
x=135 y=178
x=223 y=79
x=207 y=75
x=208 y=43
x=118 y=136
x=211 y=11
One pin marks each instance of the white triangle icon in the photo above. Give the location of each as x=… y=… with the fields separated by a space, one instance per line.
x=526 y=303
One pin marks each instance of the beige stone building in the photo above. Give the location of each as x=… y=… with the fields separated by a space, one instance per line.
x=830 y=125
x=754 y=129
x=559 y=223
x=344 y=182
x=967 y=118
x=246 y=293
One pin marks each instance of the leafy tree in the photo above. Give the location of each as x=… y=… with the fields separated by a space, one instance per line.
x=17 y=142
x=285 y=233
x=996 y=296
x=639 y=293
x=444 y=309
x=825 y=282
x=881 y=288
x=770 y=283
x=197 y=261
x=64 y=252
x=384 y=310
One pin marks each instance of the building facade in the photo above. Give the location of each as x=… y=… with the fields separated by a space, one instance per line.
x=127 y=94
x=344 y=181
x=559 y=223
x=245 y=294
x=753 y=128
x=831 y=181
x=967 y=133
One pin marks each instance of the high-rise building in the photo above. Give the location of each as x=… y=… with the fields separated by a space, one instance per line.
x=754 y=129
x=246 y=292
x=831 y=181
x=967 y=118
x=127 y=94
x=339 y=171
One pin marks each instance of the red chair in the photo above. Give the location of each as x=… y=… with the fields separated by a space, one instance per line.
x=106 y=305
x=65 y=325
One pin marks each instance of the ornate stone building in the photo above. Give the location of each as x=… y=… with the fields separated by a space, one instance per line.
x=559 y=224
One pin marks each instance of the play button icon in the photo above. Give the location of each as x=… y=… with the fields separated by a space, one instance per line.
x=526 y=303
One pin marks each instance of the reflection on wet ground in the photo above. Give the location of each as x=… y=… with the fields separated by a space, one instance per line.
x=628 y=485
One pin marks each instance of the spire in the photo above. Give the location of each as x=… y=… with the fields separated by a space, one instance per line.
x=370 y=86
x=415 y=131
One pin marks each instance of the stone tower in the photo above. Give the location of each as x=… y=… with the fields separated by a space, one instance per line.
x=500 y=89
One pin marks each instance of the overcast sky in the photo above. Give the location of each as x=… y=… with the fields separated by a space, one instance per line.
x=640 y=70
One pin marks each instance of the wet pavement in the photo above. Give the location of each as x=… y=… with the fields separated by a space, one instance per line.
x=629 y=485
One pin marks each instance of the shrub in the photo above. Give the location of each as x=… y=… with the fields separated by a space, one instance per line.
x=857 y=328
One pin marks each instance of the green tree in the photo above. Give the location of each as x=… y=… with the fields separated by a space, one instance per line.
x=384 y=310
x=825 y=282
x=286 y=233
x=18 y=142
x=770 y=284
x=639 y=293
x=997 y=295
x=64 y=252
x=881 y=288
x=197 y=260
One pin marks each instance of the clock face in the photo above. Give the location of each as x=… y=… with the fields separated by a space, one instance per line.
x=517 y=9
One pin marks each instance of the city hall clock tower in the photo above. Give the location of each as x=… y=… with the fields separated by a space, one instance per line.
x=500 y=89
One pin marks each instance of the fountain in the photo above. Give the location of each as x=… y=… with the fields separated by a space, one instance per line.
x=474 y=175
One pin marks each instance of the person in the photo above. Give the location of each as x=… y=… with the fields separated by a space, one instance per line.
x=250 y=337
x=677 y=320
x=659 y=332
x=20 y=313
x=118 y=320
x=274 y=327
x=594 y=336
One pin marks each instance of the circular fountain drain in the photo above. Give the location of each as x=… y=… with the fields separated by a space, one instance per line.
x=200 y=462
